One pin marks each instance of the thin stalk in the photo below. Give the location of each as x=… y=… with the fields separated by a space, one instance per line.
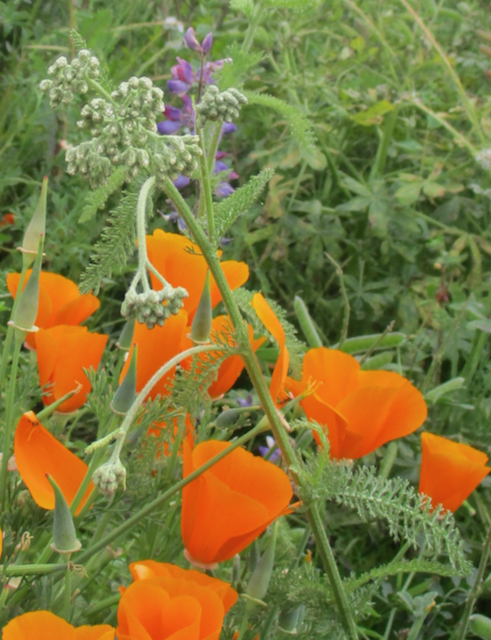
x=276 y=421
x=141 y=228
x=252 y=28
x=206 y=186
x=86 y=481
x=10 y=330
x=9 y=418
x=388 y=130
x=460 y=633
x=472 y=363
x=212 y=150
x=344 y=293
x=67 y=593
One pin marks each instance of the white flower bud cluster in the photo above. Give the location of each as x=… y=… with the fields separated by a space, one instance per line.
x=109 y=476
x=224 y=106
x=484 y=159
x=175 y=155
x=88 y=159
x=70 y=78
x=148 y=308
x=140 y=102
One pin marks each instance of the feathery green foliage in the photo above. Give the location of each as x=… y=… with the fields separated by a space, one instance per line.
x=246 y=6
x=97 y=199
x=237 y=63
x=408 y=515
x=229 y=209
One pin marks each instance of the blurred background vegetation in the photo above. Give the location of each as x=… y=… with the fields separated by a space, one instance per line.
x=398 y=95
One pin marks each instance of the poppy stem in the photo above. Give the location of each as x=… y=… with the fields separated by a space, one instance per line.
x=276 y=422
x=10 y=329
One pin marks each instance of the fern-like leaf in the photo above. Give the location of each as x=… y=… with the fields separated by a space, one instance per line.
x=229 y=209
x=301 y=128
x=236 y=64
x=293 y=5
x=408 y=515
x=97 y=199
x=245 y=6
x=78 y=41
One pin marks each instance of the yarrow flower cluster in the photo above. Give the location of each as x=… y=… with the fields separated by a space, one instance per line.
x=149 y=308
x=218 y=105
x=70 y=78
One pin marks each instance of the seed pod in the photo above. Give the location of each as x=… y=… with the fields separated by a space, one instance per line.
x=201 y=326
x=126 y=393
x=35 y=229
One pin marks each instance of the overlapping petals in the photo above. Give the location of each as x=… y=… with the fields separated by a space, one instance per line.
x=156 y=347
x=230 y=504
x=362 y=410
x=60 y=301
x=273 y=325
x=181 y=263
x=44 y=625
x=38 y=453
x=62 y=354
x=170 y=607
x=450 y=471
x=144 y=569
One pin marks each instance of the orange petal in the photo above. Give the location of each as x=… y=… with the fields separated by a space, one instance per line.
x=335 y=423
x=38 y=453
x=156 y=347
x=76 y=311
x=337 y=373
x=450 y=471
x=38 y=625
x=273 y=325
x=97 y=632
x=140 y=611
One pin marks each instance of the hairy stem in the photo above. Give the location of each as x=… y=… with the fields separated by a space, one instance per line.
x=206 y=185
x=141 y=228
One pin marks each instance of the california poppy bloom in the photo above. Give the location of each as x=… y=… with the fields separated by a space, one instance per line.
x=450 y=471
x=38 y=453
x=60 y=301
x=231 y=367
x=231 y=504
x=62 y=354
x=144 y=569
x=44 y=625
x=156 y=347
x=362 y=410
x=182 y=264
x=173 y=604
x=273 y=325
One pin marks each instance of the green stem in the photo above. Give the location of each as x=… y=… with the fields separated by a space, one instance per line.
x=141 y=228
x=460 y=633
x=86 y=481
x=206 y=185
x=215 y=139
x=9 y=418
x=98 y=88
x=31 y=569
x=276 y=421
x=67 y=594
x=10 y=330
x=252 y=28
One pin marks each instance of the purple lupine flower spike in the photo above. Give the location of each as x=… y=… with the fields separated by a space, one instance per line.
x=207 y=43
x=191 y=41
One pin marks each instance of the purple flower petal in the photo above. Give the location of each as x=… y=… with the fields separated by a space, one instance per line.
x=220 y=154
x=178 y=87
x=207 y=43
x=172 y=113
x=225 y=241
x=220 y=166
x=181 y=225
x=233 y=176
x=184 y=71
x=228 y=127
x=181 y=182
x=224 y=190
x=245 y=402
x=191 y=41
x=168 y=127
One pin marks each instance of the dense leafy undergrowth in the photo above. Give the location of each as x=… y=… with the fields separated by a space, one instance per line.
x=377 y=216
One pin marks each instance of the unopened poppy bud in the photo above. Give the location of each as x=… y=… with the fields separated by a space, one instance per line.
x=64 y=534
x=35 y=229
x=254 y=556
x=207 y=43
x=126 y=336
x=481 y=626
x=190 y=40
x=259 y=582
x=126 y=393
x=27 y=309
x=109 y=476
x=289 y=618
x=201 y=326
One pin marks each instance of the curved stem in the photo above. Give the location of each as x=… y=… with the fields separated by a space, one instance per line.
x=276 y=421
x=141 y=229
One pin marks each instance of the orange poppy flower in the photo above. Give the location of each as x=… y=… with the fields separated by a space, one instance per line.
x=231 y=504
x=273 y=325
x=362 y=410
x=144 y=569
x=38 y=453
x=171 y=605
x=60 y=301
x=232 y=367
x=182 y=264
x=450 y=471
x=156 y=347
x=44 y=625
x=62 y=353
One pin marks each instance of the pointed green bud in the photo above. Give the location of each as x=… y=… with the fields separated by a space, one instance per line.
x=35 y=228
x=259 y=582
x=201 y=326
x=126 y=393
x=290 y=618
x=481 y=626
x=27 y=309
x=126 y=336
x=64 y=535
